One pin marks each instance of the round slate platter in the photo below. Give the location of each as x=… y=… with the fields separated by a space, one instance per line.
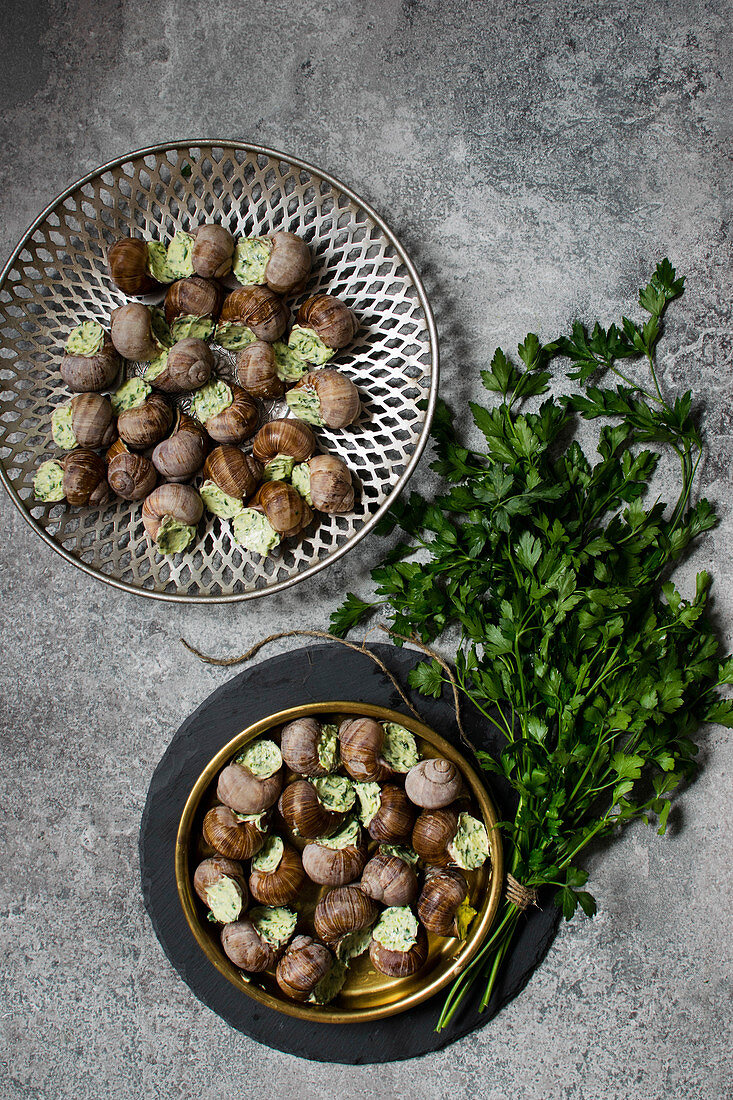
x=320 y=672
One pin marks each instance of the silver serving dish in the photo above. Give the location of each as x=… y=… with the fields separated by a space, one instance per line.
x=57 y=277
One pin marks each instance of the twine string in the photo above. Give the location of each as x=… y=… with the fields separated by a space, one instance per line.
x=521 y=897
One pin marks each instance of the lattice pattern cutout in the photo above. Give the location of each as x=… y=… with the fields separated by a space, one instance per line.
x=59 y=279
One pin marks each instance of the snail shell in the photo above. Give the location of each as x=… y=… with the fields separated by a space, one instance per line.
x=334 y=866
x=299 y=747
x=302 y=810
x=282 y=885
x=246 y=793
x=131 y=476
x=127 y=260
x=389 y=880
x=188 y=366
x=393 y=821
x=302 y=967
x=246 y=948
x=185 y=505
x=85 y=479
x=439 y=900
x=400 y=964
x=92 y=420
x=289 y=265
x=212 y=251
x=360 y=741
x=337 y=395
x=131 y=329
x=182 y=454
x=145 y=424
x=235 y=473
x=237 y=422
x=230 y=837
x=331 y=489
x=331 y=320
x=209 y=872
x=284 y=507
x=342 y=911
x=284 y=437
x=433 y=783
x=256 y=370
x=257 y=308
x=85 y=374
x=433 y=832
x=193 y=297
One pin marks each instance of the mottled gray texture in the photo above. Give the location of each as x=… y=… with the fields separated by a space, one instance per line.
x=535 y=159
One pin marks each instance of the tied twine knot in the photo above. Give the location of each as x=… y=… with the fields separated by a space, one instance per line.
x=521 y=897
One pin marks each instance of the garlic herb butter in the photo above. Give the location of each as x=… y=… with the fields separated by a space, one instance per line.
x=218 y=503
x=370 y=799
x=48 y=482
x=130 y=395
x=86 y=339
x=275 y=924
x=396 y=929
x=225 y=899
x=254 y=532
x=335 y=792
x=262 y=758
x=470 y=846
x=399 y=748
x=306 y=345
x=269 y=856
x=251 y=257
x=61 y=427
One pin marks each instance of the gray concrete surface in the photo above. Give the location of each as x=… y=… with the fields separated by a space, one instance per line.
x=536 y=159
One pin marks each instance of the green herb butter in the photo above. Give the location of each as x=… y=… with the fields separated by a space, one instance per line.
x=211 y=400
x=330 y=985
x=251 y=257
x=396 y=928
x=328 y=747
x=86 y=339
x=61 y=428
x=289 y=367
x=370 y=799
x=262 y=758
x=171 y=263
x=353 y=944
x=174 y=537
x=156 y=367
x=301 y=481
x=201 y=328
x=48 y=483
x=470 y=846
x=275 y=924
x=258 y=820
x=335 y=792
x=407 y=855
x=347 y=837
x=160 y=328
x=230 y=335
x=305 y=404
x=269 y=856
x=218 y=503
x=306 y=345
x=224 y=899
x=399 y=749
x=278 y=468
x=130 y=395
x=254 y=532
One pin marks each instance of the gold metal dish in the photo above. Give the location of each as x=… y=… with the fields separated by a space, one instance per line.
x=367 y=994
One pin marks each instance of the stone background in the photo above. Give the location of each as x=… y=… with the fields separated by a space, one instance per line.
x=536 y=159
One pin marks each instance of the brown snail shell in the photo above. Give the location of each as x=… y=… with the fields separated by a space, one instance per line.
x=257 y=308
x=334 y=866
x=237 y=422
x=188 y=366
x=342 y=911
x=302 y=810
x=304 y=964
x=299 y=747
x=284 y=437
x=246 y=948
x=89 y=373
x=360 y=741
x=131 y=476
x=246 y=793
x=282 y=885
x=93 y=420
x=212 y=253
x=331 y=488
x=337 y=395
x=433 y=832
x=284 y=507
x=393 y=821
x=389 y=880
x=230 y=837
x=85 y=479
x=289 y=264
x=182 y=503
x=127 y=260
x=146 y=424
x=131 y=330
x=232 y=471
x=331 y=320
x=439 y=900
x=400 y=964
x=433 y=783
x=182 y=454
x=209 y=872
x=195 y=297
x=256 y=370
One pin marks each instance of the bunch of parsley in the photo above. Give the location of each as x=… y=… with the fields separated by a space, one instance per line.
x=573 y=642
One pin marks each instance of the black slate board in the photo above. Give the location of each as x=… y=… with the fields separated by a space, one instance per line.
x=320 y=672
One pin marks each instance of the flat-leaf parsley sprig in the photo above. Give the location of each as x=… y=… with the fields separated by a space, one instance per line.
x=574 y=644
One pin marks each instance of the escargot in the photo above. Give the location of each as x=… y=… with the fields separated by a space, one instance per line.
x=257 y=309
x=90 y=361
x=433 y=783
x=399 y=945
x=170 y=516
x=286 y=510
x=247 y=948
x=186 y=366
x=389 y=880
x=304 y=964
x=325 y=398
x=144 y=425
x=252 y=782
x=308 y=747
x=131 y=476
x=220 y=884
x=277 y=873
x=228 y=413
x=236 y=836
x=85 y=421
x=447 y=837
x=337 y=859
x=284 y=437
x=182 y=453
x=342 y=911
x=282 y=261
x=303 y=811
x=323 y=325
x=393 y=821
x=441 y=896
x=128 y=262
x=213 y=250
x=325 y=483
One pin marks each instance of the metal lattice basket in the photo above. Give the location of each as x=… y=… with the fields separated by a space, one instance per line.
x=57 y=278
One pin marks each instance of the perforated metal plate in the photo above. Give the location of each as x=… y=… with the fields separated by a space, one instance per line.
x=57 y=278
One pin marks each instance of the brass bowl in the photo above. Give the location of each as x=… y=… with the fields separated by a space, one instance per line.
x=367 y=994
